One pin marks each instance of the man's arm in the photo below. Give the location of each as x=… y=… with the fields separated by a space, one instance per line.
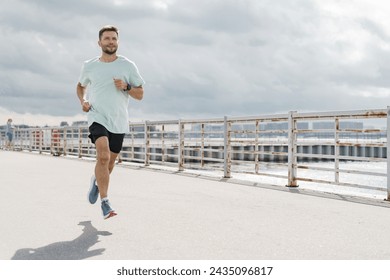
x=136 y=92
x=81 y=95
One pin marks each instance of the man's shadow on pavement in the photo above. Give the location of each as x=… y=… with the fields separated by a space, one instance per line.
x=76 y=249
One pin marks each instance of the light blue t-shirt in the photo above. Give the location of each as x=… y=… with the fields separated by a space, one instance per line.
x=9 y=128
x=109 y=105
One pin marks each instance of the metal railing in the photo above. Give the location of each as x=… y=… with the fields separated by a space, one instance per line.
x=251 y=145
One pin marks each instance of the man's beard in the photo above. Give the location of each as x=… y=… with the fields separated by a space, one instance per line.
x=108 y=51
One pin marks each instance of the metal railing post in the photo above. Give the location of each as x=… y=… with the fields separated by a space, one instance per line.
x=227 y=148
x=132 y=155
x=65 y=141
x=80 y=143
x=40 y=140
x=31 y=138
x=388 y=152
x=257 y=146
x=17 y=139
x=51 y=141
x=147 y=143
x=292 y=150
x=337 y=150
x=181 y=146
x=202 y=145
x=162 y=143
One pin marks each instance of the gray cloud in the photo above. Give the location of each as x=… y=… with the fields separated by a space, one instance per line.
x=199 y=58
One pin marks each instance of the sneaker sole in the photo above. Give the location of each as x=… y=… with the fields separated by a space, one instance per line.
x=111 y=214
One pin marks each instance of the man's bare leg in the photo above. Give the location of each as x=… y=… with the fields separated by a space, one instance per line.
x=102 y=171
x=111 y=165
x=104 y=165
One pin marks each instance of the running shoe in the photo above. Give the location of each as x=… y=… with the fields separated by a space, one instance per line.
x=93 y=192
x=107 y=210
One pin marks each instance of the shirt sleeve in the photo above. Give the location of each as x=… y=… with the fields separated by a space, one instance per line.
x=135 y=78
x=84 y=79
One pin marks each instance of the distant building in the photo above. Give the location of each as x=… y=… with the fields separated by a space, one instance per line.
x=282 y=126
x=80 y=123
x=343 y=125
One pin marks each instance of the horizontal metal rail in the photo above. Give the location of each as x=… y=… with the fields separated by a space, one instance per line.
x=293 y=141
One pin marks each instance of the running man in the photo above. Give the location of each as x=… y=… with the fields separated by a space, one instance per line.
x=111 y=80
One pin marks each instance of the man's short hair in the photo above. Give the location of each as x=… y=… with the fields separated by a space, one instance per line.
x=108 y=28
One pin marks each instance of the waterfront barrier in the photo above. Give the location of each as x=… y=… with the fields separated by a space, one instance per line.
x=253 y=145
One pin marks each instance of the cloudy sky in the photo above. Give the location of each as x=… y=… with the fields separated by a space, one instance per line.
x=199 y=58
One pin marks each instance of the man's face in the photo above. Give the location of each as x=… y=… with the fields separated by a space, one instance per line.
x=109 y=42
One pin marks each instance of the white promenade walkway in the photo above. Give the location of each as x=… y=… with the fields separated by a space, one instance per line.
x=162 y=215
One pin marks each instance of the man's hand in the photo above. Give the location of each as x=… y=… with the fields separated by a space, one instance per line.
x=135 y=92
x=86 y=106
x=80 y=94
x=119 y=84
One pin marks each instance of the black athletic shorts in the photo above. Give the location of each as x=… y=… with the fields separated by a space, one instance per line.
x=115 y=140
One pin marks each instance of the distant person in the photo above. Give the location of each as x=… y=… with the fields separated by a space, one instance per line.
x=111 y=80
x=9 y=133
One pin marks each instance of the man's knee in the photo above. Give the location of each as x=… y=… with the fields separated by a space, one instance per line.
x=103 y=158
x=103 y=151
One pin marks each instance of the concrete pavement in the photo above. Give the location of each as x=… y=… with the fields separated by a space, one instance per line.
x=162 y=215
